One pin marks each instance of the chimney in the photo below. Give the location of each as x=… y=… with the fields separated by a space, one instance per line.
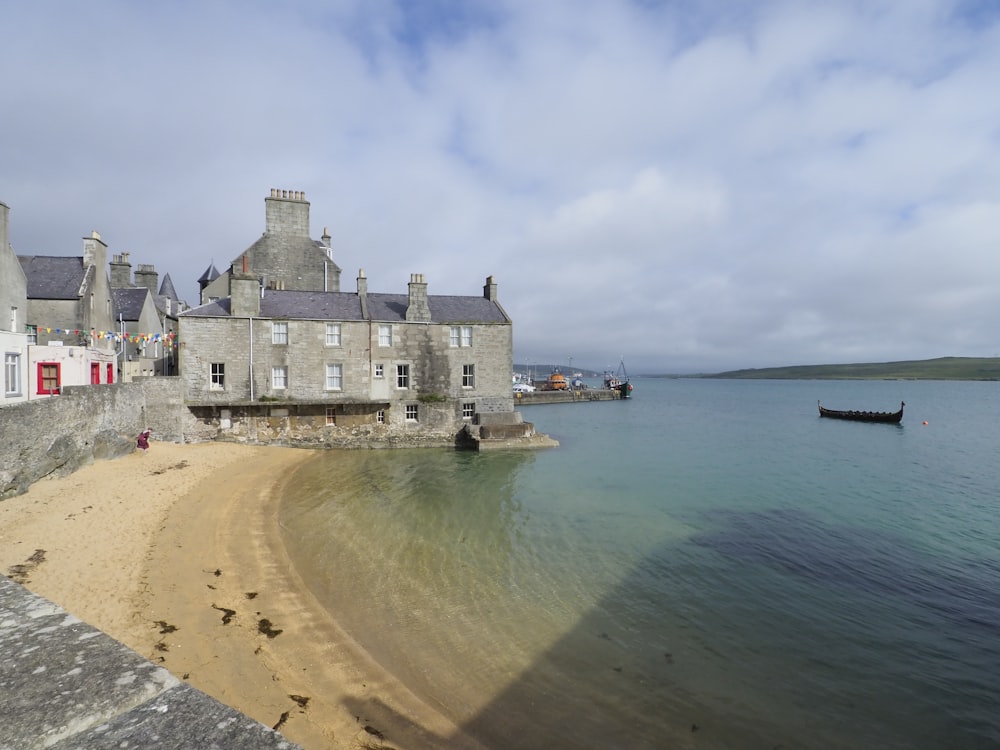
x=418 y=310
x=95 y=252
x=327 y=239
x=4 y=226
x=121 y=272
x=244 y=292
x=146 y=275
x=490 y=289
x=363 y=293
x=286 y=212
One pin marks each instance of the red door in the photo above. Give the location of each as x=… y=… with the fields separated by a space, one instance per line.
x=95 y=373
x=111 y=373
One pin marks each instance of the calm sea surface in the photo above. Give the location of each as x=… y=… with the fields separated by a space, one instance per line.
x=708 y=565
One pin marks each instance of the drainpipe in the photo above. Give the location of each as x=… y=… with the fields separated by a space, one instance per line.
x=250 y=320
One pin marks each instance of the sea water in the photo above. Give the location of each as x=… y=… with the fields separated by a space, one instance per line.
x=708 y=564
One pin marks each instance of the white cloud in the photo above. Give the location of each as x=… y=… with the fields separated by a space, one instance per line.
x=694 y=186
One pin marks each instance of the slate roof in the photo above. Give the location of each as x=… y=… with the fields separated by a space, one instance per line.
x=129 y=301
x=390 y=308
x=211 y=274
x=167 y=288
x=444 y=308
x=53 y=276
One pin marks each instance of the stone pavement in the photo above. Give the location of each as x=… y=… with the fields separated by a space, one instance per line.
x=68 y=686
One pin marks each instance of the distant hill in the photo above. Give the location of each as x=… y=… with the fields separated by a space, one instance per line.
x=943 y=368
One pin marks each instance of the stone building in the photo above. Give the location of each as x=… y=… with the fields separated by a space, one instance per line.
x=70 y=320
x=149 y=329
x=69 y=297
x=405 y=368
x=281 y=354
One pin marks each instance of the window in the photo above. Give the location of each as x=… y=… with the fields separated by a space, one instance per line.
x=380 y=416
x=48 y=378
x=331 y=415
x=385 y=334
x=333 y=334
x=468 y=376
x=411 y=413
x=32 y=334
x=13 y=319
x=12 y=374
x=279 y=333
x=279 y=378
x=334 y=377
x=379 y=370
x=218 y=377
x=460 y=336
x=402 y=376
x=468 y=410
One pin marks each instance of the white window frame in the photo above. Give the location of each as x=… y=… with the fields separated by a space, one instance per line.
x=385 y=335
x=380 y=416
x=331 y=415
x=32 y=334
x=279 y=378
x=279 y=332
x=334 y=376
x=460 y=336
x=379 y=370
x=412 y=413
x=468 y=410
x=468 y=376
x=217 y=376
x=333 y=334
x=12 y=373
x=403 y=377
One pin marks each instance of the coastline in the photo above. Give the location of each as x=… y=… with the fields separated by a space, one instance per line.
x=177 y=554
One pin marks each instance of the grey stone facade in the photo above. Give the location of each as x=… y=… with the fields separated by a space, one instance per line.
x=339 y=367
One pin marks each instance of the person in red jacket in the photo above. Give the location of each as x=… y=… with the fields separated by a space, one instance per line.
x=143 y=440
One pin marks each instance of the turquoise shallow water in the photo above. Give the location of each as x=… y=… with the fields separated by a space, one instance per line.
x=708 y=565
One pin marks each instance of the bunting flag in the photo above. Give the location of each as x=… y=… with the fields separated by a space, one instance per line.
x=167 y=339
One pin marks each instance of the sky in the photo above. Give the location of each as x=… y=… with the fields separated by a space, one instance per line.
x=685 y=185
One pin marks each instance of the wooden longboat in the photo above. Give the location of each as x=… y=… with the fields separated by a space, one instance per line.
x=890 y=417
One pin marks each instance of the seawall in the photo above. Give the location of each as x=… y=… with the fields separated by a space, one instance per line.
x=64 y=684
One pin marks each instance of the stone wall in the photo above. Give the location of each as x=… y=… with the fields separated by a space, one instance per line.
x=55 y=436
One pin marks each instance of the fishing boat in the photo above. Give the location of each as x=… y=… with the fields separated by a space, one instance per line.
x=891 y=417
x=618 y=381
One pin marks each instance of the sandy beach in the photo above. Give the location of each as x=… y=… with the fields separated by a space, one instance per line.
x=177 y=553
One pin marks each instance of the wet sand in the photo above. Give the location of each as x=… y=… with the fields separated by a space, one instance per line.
x=177 y=553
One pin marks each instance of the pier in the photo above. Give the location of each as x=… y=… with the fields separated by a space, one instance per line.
x=569 y=396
